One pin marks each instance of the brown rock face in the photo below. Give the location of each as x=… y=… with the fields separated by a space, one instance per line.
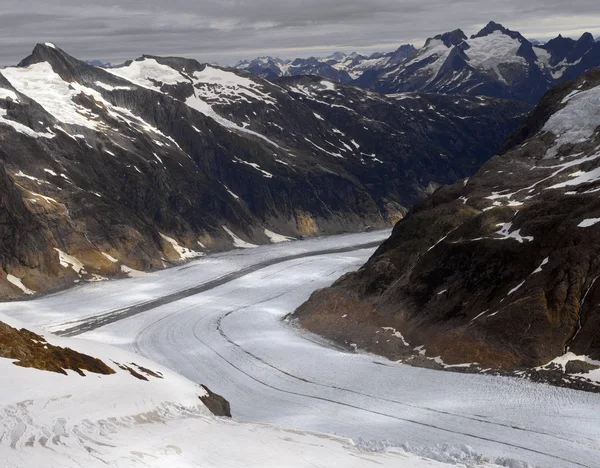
x=217 y=405
x=500 y=270
x=31 y=350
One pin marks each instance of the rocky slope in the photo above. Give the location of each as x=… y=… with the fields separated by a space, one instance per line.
x=162 y=159
x=499 y=270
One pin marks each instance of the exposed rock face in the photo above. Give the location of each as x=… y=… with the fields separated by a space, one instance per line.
x=217 y=405
x=500 y=269
x=31 y=350
x=163 y=159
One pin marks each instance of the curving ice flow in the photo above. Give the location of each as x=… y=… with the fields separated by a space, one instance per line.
x=228 y=333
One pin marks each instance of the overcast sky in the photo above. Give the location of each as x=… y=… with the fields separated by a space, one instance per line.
x=225 y=31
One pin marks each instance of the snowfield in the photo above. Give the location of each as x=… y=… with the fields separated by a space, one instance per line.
x=52 y=420
x=218 y=321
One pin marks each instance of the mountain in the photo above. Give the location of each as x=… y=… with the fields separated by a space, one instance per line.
x=499 y=270
x=98 y=63
x=337 y=67
x=494 y=62
x=109 y=171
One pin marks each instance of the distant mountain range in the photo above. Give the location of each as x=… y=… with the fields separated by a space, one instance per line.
x=163 y=159
x=341 y=67
x=494 y=62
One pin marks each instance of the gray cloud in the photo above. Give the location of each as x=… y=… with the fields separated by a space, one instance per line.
x=227 y=30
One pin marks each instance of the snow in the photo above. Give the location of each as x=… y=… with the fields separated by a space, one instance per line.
x=231 y=193
x=579 y=178
x=19 y=284
x=112 y=88
x=24 y=129
x=516 y=288
x=211 y=86
x=543 y=56
x=562 y=361
x=48 y=419
x=110 y=258
x=201 y=106
x=397 y=334
x=264 y=173
x=435 y=50
x=231 y=337
x=275 y=238
x=50 y=44
x=229 y=85
x=328 y=85
x=146 y=72
x=7 y=93
x=39 y=82
x=576 y=122
x=588 y=222
x=491 y=51
x=133 y=273
x=67 y=261
x=336 y=155
x=237 y=242
x=183 y=252
x=505 y=233
x=539 y=269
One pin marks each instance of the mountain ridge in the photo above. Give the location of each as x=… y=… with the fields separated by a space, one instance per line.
x=495 y=61
x=164 y=159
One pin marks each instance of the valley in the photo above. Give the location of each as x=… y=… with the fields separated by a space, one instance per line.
x=231 y=337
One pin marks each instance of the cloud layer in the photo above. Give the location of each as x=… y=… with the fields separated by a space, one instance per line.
x=227 y=30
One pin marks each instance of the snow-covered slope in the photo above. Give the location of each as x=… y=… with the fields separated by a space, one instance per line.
x=499 y=271
x=145 y=415
x=160 y=160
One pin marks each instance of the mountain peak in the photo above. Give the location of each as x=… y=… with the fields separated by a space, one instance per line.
x=42 y=52
x=452 y=38
x=586 y=38
x=493 y=27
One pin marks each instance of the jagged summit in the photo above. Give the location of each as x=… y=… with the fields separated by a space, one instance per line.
x=452 y=38
x=493 y=27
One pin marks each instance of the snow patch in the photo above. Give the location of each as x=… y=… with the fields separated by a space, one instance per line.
x=112 y=259
x=588 y=222
x=19 y=284
x=275 y=238
x=67 y=261
x=237 y=242
x=184 y=252
x=539 y=269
